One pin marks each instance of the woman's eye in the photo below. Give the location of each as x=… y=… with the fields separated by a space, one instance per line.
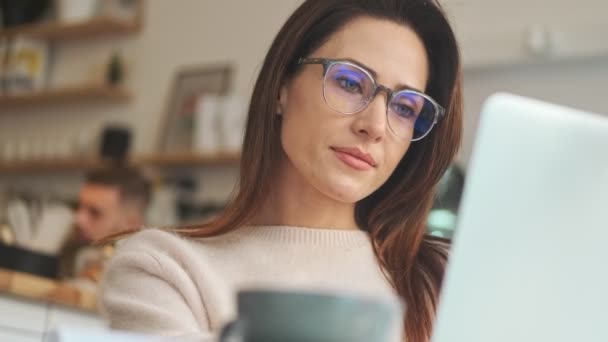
x=349 y=84
x=404 y=110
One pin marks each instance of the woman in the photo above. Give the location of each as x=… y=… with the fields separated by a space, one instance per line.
x=355 y=116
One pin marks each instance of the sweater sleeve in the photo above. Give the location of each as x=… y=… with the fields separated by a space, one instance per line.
x=145 y=290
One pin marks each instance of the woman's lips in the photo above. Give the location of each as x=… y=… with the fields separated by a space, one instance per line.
x=354 y=158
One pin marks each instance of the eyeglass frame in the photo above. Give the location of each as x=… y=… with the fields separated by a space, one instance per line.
x=377 y=87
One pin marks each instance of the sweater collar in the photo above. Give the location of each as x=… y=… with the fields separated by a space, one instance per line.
x=307 y=235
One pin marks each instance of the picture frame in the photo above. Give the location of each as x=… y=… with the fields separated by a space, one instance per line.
x=176 y=129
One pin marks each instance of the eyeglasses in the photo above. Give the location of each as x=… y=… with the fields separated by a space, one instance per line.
x=349 y=88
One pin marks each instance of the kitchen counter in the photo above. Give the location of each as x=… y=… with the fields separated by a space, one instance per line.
x=46 y=290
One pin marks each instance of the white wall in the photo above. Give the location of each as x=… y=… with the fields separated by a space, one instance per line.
x=581 y=84
x=495 y=32
x=569 y=65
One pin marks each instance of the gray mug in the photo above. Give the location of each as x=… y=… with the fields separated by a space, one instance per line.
x=275 y=316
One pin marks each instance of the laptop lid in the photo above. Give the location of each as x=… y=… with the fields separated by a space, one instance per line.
x=530 y=257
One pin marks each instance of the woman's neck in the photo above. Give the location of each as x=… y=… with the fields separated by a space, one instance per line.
x=292 y=201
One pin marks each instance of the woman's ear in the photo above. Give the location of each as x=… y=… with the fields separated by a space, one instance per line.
x=282 y=103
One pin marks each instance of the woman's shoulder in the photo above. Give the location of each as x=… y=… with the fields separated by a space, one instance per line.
x=145 y=248
x=163 y=244
x=156 y=246
x=149 y=241
x=149 y=282
x=155 y=253
x=149 y=238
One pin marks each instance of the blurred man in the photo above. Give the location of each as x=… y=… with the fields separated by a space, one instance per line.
x=111 y=200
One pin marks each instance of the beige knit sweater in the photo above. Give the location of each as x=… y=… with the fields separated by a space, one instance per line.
x=161 y=283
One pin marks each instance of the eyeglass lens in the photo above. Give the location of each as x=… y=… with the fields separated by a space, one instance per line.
x=348 y=89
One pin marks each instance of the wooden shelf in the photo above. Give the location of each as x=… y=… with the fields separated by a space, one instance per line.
x=55 y=165
x=187 y=160
x=159 y=160
x=65 y=95
x=57 y=31
x=46 y=290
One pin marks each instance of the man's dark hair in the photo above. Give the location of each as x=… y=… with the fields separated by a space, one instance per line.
x=132 y=185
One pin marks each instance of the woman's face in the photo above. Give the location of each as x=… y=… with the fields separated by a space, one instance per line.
x=325 y=148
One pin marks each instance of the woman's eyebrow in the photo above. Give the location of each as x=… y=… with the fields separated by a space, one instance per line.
x=370 y=70
x=375 y=75
x=401 y=87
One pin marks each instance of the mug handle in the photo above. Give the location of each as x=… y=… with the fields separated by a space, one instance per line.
x=232 y=332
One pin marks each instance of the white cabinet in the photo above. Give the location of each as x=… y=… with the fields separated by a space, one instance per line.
x=28 y=321
x=14 y=336
x=495 y=32
x=66 y=317
x=22 y=315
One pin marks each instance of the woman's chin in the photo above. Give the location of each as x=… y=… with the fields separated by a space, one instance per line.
x=346 y=190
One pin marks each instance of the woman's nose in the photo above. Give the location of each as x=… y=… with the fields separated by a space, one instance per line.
x=371 y=121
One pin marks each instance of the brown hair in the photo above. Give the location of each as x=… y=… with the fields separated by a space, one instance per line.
x=395 y=214
x=130 y=182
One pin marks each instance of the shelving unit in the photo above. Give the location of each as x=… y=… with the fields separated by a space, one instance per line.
x=79 y=93
x=155 y=160
x=187 y=160
x=57 y=31
x=101 y=26
x=54 y=165
x=60 y=32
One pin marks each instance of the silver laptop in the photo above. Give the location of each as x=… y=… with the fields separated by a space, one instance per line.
x=530 y=257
